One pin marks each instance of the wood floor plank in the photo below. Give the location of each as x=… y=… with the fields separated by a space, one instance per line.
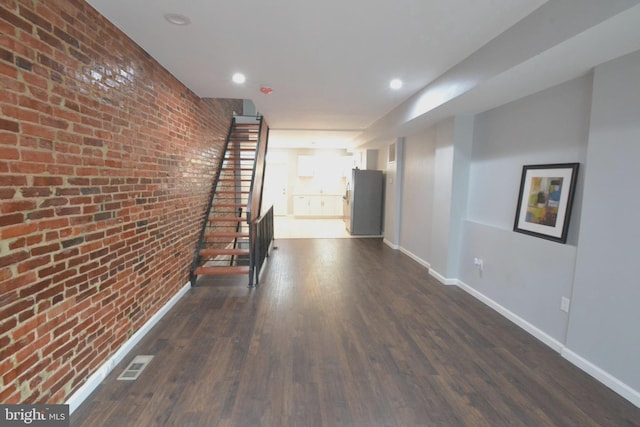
x=346 y=332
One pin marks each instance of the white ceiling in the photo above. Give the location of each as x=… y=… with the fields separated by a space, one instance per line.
x=329 y=62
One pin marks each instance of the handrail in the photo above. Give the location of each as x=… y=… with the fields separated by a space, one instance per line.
x=255 y=199
x=255 y=193
x=216 y=179
x=263 y=237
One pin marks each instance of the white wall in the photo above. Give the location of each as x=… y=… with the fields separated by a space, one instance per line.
x=330 y=180
x=604 y=327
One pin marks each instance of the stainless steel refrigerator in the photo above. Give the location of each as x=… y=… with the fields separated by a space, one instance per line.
x=363 y=203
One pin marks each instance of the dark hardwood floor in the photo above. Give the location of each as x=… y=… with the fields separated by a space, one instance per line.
x=346 y=332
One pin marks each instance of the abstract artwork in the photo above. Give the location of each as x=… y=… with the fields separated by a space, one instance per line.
x=545 y=200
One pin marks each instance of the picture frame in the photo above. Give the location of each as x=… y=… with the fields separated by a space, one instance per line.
x=545 y=200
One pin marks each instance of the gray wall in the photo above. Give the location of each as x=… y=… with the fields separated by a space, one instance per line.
x=392 y=197
x=465 y=188
x=419 y=163
x=605 y=317
x=525 y=275
x=441 y=209
x=469 y=170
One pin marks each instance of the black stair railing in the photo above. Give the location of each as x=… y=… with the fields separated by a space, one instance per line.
x=255 y=198
x=203 y=229
x=260 y=228
x=264 y=237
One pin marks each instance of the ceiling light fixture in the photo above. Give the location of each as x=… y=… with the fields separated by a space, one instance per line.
x=239 y=78
x=177 y=19
x=395 y=84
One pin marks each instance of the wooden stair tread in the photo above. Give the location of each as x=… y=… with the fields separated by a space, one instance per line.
x=216 y=252
x=226 y=270
x=227 y=219
x=223 y=235
x=229 y=205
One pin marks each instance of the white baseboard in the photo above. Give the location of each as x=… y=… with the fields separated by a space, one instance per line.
x=101 y=373
x=390 y=244
x=414 y=257
x=604 y=377
x=539 y=334
x=599 y=374
x=440 y=278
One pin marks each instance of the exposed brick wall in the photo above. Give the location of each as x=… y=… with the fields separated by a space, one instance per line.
x=106 y=162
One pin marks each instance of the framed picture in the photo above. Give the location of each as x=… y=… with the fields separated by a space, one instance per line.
x=544 y=203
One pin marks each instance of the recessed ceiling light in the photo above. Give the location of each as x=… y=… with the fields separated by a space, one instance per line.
x=395 y=84
x=239 y=78
x=177 y=19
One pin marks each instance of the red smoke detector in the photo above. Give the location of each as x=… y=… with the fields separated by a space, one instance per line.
x=266 y=90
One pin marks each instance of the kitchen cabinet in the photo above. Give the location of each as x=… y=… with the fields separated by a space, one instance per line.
x=313 y=205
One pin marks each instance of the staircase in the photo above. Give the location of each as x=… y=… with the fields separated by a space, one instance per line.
x=227 y=240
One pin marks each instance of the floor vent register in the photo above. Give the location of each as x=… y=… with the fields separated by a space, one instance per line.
x=135 y=368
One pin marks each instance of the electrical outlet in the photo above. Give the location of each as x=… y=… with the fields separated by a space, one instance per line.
x=564 y=304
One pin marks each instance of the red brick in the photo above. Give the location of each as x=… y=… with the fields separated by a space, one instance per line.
x=11 y=219
x=33 y=104
x=34 y=263
x=36 y=156
x=7 y=138
x=12 y=180
x=7 y=325
x=18 y=230
x=20 y=114
x=47 y=180
x=48 y=271
x=13 y=258
x=17 y=206
x=61 y=129
x=6 y=193
x=8 y=70
x=9 y=153
x=28 y=168
x=9 y=125
x=41 y=250
x=53 y=224
x=11 y=310
x=40 y=214
x=49 y=39
x=37 y=130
